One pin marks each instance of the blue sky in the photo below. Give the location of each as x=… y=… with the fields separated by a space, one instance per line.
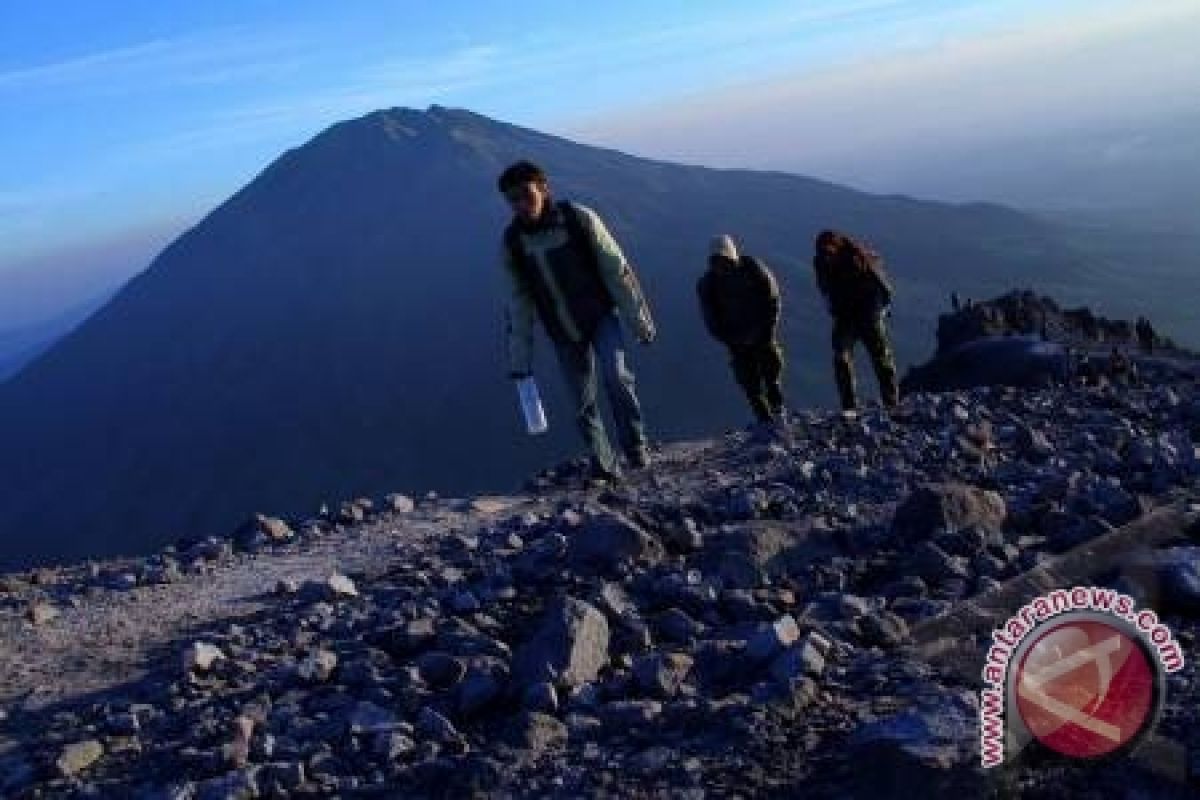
x=123 y=122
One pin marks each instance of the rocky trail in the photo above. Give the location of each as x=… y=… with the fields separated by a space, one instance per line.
x=804 y=616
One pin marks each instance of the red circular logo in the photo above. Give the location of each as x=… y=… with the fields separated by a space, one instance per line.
x=1085 y=688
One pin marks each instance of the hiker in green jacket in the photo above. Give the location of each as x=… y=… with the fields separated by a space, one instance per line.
x=566 y=270
x=739 y=299
x=858 y=295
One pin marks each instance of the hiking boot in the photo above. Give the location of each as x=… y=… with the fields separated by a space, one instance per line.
x=598 y=477
x=638 y=458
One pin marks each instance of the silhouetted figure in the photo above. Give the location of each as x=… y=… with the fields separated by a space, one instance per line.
x=858 y=296
x=1121 y=369
x=1145 y=335
x=740 y=302
x=954 y=302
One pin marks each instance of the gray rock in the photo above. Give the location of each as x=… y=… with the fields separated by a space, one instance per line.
x=42 y=613
x=806 y=658
x=569 y=648
x=935 y=565
x=630 y=713
x=610 y=539
x=938 y=507
x=770 y=639
x=661 y=674
x=317 y=667
x=340 y=587
x=932 y=745
x=399 y=503
x=537 y=732
x=351 y=513
x=77 y=757
x=201 y=656
x=366 y=717
x=273 y=528
x=393 y=745
x=884 y=629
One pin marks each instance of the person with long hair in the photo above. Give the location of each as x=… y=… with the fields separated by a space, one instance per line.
x=858 y=295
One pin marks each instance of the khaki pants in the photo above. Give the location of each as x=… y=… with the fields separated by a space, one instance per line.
x=872 y=332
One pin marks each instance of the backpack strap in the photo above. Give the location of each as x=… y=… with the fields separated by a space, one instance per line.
x=578 y=235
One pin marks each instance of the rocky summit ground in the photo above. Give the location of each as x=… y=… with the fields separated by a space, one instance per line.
x=747 y=617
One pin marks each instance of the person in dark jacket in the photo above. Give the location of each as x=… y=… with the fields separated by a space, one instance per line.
x=740 y=302
x=567 y=271
x=858 y=295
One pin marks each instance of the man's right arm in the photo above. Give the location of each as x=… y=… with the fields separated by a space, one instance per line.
x=519 y=319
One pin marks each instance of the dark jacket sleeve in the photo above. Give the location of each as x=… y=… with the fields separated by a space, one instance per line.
x=881 y=281
x=771 y=303
x=708 y=309
x=821 y=268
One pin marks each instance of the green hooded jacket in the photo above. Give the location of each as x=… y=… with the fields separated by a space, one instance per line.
x=562 y=272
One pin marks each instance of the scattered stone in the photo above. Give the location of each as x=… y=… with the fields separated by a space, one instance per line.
x=400 y=503
x=75 y=758
x=317 y=667
x=341 y=587
x=884 y=629
x=661 y=674
x=201 y=656
x=42 y=613
x=537 y=732
x=770 y=639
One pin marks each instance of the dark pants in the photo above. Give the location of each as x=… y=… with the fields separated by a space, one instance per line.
x=580 y=363
x=758 y=369
x=872 y=332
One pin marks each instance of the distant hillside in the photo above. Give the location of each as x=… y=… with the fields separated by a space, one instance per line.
x=21 y=345
x=334 y=329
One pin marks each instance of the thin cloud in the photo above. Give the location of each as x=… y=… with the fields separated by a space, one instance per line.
x=216 y=56
x=1056 y=71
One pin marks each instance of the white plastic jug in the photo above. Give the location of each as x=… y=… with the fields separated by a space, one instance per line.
x=531 y=406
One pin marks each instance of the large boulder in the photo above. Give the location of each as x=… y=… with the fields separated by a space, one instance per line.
x=608 y=539
x=932 y=745
x=569 y=648
x=1024 y=361
x=937 y=508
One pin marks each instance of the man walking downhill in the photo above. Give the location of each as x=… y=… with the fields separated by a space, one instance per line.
x=566 y=270
x=740 y=302
x=859 y=296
